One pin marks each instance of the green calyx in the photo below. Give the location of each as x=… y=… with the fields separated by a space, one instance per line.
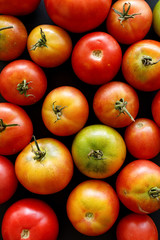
x=5 y=28
x=96 y=154
x=23 y=88
x=147 y=61
x=57 y=111
x=41 y=42
x=3 y=126
x=120 y=106
x=39 y=155
x=154 y=192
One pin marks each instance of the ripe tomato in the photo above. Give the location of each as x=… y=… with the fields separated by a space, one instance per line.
x=129 y=22
x=49 y=45
x=96 y=58
x=45 y=166
x=138 y=186
x=142 y=138
x=8 y=180
x=98 y=151
x=78 y=16
x=93 y=207
x=16 y=129
x=22 y=82
x=13 y=37
x=17 y=7
x=65 y=110
x=116 y=104
x=156 y=18
x=136 y=226
x=140 y=65
x=31 y=219
x=155 y=108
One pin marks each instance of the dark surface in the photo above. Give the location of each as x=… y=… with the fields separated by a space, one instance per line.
x=64 y=75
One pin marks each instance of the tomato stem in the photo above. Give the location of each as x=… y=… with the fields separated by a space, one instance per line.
x=97 y=154
x=41 y=42
x=154 y=192
x=3 y=125
x=147 y=60
x=4 y=28
x=38 y=154
x=25 y=234
x=23 y=87
x=58 y=111
x=121 y=107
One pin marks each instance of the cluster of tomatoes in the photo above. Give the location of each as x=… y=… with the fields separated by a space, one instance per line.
x=79 y=119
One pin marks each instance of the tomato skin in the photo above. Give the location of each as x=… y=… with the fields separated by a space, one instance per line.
x=156 y=18
x=73 y=115
x=96 y=58
x=13 y=40
x=96 y=206
x=15 y=73
x=139 y=72
x=8 y=180
x=77 y=16
x=142 y=138
x=53 y=172
x=34 y=219
x=104 y=104
x=12 y=138
x=58 y=42
x=132 y=29
x=136 y=227
x=98 y=151
x=155 y=108
x=135 y=183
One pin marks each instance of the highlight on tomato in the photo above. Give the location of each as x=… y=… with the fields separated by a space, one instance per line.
x=155 y=108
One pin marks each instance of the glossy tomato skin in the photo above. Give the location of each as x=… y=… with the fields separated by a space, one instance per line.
x=98 y=151
x=155 y=108
x=93 y=207
x=133 y=29
x=142 y=138
x=22 y=82
x=140 y=65
x=13 y=40
x=136 y=227
x=53 y=170
x=8 y=179
x=156 y=18
x=14 y=138
x=77 y=16
x=30 y=218
x=65 y=110
x=116 y=104
x=96 y=58
x=56 y=50
x=137 y=186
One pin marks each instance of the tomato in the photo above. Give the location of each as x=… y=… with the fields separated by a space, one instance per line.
x=50 y=160
x=77 y=16
x=140 y=65
x=31 y=219
x=22 y=82
x=49 y=45
x=16 y=129
x=129 y=22
x=8 y=180
x=13 y=37
x=138 y=186
x=155 y=108
x=136 y=227
x=17 y=7
x=93 y=207
x=96 y=58
x=116 y=104
x=156 y=18
x=98 y=151
x=65 y=110
x=142 y=138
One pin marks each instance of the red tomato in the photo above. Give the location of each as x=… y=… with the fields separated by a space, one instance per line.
x=143 y=138
x=50 y=160
x=49 y=45
x=13 y=38
x=116 y=104
x=138 y=186
x=16 y=129
x=78 y=16
x=65 y=110
x=22 y=82
x=8 y=180
x=129 y=22
x=155 y=108
x=136 y=227
x=18 y=7
x=30 y=219
x=96 y=58
x=141 y=65
x=93 y=207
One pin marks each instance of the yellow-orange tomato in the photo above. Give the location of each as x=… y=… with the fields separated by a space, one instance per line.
x=49 y=45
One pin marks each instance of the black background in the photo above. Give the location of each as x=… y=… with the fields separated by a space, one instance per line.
x=64 y=75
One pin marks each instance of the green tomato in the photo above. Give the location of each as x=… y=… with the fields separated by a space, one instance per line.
x=156 y=18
